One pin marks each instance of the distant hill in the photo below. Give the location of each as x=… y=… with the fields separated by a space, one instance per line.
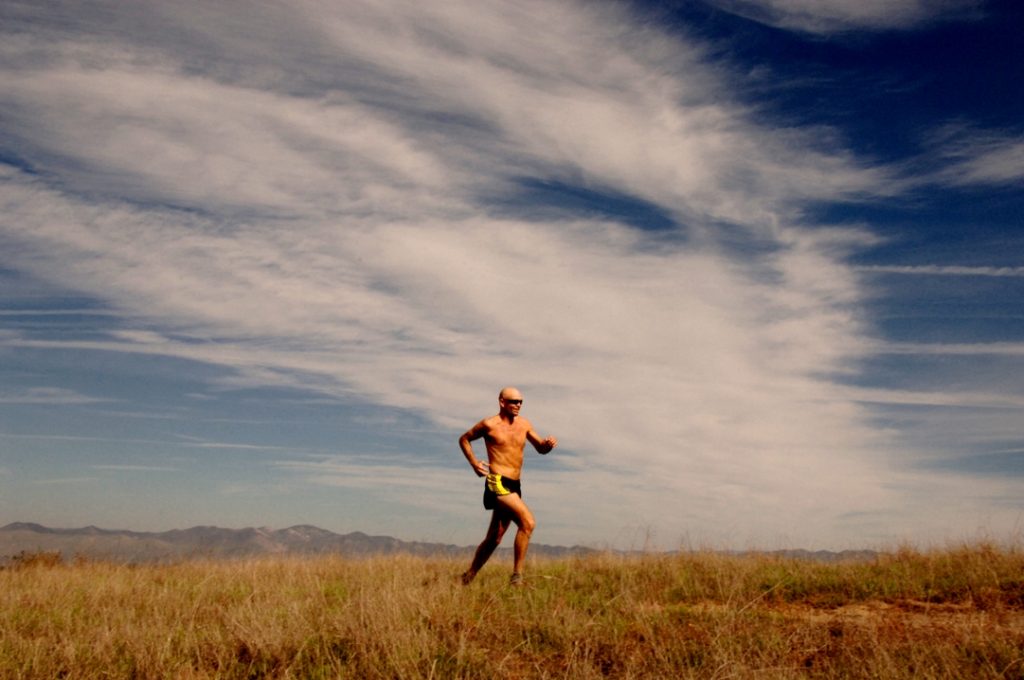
x=827 y=555
x=215 y=542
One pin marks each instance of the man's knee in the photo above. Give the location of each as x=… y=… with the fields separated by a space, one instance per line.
x=527 y=524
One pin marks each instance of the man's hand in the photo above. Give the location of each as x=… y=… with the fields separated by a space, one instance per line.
x=542 y=445
x=480 y=468
x=547 y=445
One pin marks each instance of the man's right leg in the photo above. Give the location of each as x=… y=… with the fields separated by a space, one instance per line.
x=500 y=521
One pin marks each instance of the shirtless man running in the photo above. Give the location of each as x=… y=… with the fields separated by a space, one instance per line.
x=505 y=436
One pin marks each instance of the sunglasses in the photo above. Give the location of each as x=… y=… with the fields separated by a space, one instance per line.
x=513 y=402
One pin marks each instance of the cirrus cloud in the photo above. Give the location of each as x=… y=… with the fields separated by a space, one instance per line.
x=350 y=215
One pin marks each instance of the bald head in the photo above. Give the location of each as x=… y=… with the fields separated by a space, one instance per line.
x=510 y=393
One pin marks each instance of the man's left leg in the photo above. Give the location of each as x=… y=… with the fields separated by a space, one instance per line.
x=525 y=524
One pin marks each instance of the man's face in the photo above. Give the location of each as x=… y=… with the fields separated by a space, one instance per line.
x=511 y=403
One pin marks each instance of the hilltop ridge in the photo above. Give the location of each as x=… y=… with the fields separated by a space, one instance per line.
x=302 y=539
x=218 y=542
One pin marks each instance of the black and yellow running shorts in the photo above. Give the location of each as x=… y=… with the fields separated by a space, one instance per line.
x=495 y=486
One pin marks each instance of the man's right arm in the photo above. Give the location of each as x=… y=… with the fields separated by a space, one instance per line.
x=465 y=443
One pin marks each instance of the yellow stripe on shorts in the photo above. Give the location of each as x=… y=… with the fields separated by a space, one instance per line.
x=495 y=485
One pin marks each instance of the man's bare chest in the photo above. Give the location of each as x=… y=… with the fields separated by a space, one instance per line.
x=506 y=437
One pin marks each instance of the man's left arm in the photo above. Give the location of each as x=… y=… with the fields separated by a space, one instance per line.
x=542 y=445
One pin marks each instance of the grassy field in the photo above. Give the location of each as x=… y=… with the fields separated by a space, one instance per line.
x=954 y=613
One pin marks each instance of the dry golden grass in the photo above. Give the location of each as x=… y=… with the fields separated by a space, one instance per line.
x=955 y=613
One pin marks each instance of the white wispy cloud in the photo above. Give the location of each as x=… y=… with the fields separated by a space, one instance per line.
x=56 y=312
x=255 y=490
x=976 y=156
x=1002 y=163
x=60 y=481
x=244 y=447
x=47 y=395
x=955 y=398
x=833 y=16
x=968 y=348
x=136 y=468
x=944 y=270
x=332 y=210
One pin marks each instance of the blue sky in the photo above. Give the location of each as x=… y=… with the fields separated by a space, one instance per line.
x=757 y=264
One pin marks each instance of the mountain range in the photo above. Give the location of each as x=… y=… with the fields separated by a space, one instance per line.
x=215 y=542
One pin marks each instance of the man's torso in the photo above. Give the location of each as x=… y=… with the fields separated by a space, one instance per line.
x=505 y=442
